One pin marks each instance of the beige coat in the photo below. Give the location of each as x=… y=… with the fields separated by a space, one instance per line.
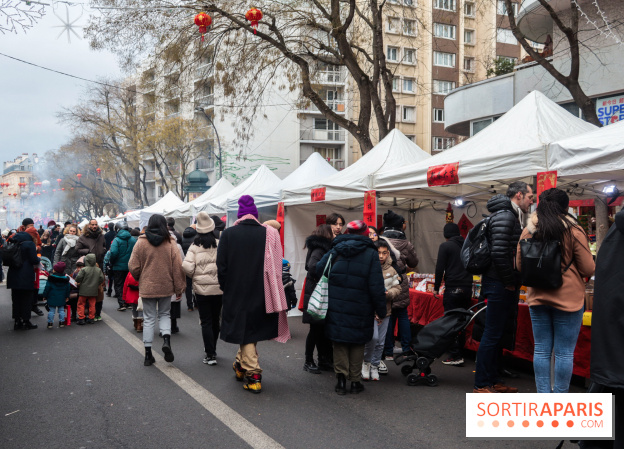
x=392 y=284
x=570 y=297
x=157 y=268
x=200 y=264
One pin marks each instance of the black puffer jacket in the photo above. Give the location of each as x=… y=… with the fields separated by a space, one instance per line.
x=504 y=232
x=317 y=247
x=188 y=237
x=356 y=289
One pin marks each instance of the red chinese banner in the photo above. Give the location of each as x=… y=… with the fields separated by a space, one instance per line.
x=280 y=220
x=370 y=208
x=545 y=180
x=443 y=175
x=321 y=219
x=465 y=225
x=380 y=223
x=318 y=194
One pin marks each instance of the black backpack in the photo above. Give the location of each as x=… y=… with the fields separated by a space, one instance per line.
x=12 y=254
x=541 y=264
x=475 y=253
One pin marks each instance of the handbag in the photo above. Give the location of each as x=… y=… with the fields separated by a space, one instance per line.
x=139 y=305
x=541 y=264
x=319 y=300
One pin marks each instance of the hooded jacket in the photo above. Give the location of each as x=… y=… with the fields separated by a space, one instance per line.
x=407 y=259
x=356 y=289
x=317 y=247
x=450 y=267
x=23 y=278
x=570 y=297
x=57 y=290
x=200 y=264
x=504 y=232
x=92 y=243
x=188 y=237
x=109 y=237
x=391 y=284
x=89 y=278
x=121 y=249
x=130 y=290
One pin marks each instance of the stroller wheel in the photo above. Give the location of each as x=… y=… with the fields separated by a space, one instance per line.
x=406 y=370
x=422 y=363
x=432 y=380
x=412 y=380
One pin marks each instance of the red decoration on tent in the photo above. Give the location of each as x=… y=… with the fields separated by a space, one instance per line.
x=254 y=15
x=203 y=21
x=443 y=175
x=321 y=219
x=545 y=180
x=280 y=220
x=370 y=208
x=449 y=214
x=465 y=225
x=318 y=194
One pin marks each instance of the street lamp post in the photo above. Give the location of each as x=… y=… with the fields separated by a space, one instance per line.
x=199 y=109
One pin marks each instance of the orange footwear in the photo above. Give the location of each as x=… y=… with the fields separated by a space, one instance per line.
x=253 y=384
x=505 y=389
x=484 y=390
x=240 y=372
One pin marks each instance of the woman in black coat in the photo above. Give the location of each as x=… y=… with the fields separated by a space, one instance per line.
x=21 y=281
x=317 y=244
x=356 y=294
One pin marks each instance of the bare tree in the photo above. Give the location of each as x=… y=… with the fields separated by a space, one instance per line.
x=17 y=15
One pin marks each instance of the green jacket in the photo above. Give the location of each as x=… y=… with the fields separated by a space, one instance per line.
x=121 y=250
x=89 y=278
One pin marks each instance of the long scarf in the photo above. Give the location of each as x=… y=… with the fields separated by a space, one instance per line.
x=274 y=295
x=70 y=242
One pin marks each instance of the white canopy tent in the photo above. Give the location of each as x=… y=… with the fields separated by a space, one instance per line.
x=167 y=202
x=184 y=212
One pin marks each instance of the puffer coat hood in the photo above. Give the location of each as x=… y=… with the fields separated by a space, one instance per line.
x=121 y=250
x=188 y=236
x=504 y=231
x=90 y=277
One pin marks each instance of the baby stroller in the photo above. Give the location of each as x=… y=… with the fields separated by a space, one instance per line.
x=432 y=342
x=43 y=278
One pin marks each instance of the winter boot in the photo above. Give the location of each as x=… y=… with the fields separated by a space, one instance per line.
x=122 y=305
x=174 y=326
x=311 y=367
x=149 y=358
x=139 y=325
x=253 y=383
x=166 y=348
x=18 y=325
x=27 y=325
x=240 y=372
x=341 y=385
x=357 y=387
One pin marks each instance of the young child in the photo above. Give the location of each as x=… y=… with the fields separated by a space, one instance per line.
x=89 y=279
x=289 y=285
x=374 y=348
x=56 y=293
x=131 y=297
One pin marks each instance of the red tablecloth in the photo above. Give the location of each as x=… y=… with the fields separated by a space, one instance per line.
x=425 y=307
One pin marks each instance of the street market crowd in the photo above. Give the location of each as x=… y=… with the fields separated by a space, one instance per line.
x=355 y=293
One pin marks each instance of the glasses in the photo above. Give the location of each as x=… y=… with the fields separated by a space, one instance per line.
x=372 y=234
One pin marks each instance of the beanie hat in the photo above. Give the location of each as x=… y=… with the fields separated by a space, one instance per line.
x=451 y=230
x=219 y=222
x=246 y=206
x=285 y=266
x=274 y=224
x=59 y=267
x=81 y=261
x=27 y=221
x=205 y=224
x=357 y=227
x=392 y=220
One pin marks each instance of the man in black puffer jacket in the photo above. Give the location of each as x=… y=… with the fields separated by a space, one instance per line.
x=188 y=237
x=500 y=283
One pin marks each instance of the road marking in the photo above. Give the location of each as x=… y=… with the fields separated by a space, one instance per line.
x=241 y=427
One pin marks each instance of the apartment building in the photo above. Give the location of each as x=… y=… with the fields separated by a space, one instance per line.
x=18 y=174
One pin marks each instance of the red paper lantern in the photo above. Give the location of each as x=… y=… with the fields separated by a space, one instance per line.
x=79 y=177
x=254 y=15
x=54 y=190
x=98 y=170
x=203 y=21
x=59 y=181
x=63 y=189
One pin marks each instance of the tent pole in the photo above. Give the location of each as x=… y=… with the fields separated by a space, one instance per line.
x=602 y=220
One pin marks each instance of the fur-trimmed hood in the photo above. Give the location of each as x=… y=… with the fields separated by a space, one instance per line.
x=532 y=223
x=91 y=234
x=316 y=241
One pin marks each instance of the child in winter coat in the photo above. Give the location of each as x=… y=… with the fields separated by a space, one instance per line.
x=289 y=285
x=56 y=293
x=89 y=280
x=131 y=297
x=374 y=348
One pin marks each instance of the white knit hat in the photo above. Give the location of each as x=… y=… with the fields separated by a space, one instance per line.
x=205 y=224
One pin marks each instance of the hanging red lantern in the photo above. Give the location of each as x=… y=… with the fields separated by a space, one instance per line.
x=63 y=189
x=59 y=181
x=72 y=188
x=79 y=177
x=203 y=21
x=98 y=170
x=54 y=190
x=254 y=15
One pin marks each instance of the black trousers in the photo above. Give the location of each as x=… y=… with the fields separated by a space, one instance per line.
x=119 y=277
x=22 y=301
x=109 y=275
x=189 y=293
x=457 y=298
x=316 y=338
x=209 y=308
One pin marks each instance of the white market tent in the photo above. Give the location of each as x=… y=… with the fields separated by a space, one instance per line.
x=167 y=202
x=261 y=180
x=221 y=187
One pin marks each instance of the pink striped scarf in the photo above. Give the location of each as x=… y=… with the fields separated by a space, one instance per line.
x=275 y=298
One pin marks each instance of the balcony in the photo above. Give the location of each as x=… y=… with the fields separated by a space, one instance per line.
x=203 y=71
x=535 y=22
x=337 y=106
x=150 y=176
x=172 y=94
x=330 y=77
x=206 y=101
x=322 y=135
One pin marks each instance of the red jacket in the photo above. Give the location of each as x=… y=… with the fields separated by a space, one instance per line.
x=130 y=290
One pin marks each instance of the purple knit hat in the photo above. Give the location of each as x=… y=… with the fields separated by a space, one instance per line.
x=59 y=267
x=246 y=206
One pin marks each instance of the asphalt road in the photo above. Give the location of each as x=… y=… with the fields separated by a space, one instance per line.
x=86 y=387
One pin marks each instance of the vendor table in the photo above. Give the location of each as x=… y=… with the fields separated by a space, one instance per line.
x=426 y=307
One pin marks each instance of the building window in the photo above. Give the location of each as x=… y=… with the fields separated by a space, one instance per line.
x=393 y=54
x=409 y=2
x=409 y=27
x=508 y=59
x=441 y=87
x=331 y=155
x=393 y=25
x=409 y=56
x=443 y=59
x=448 y=5
x=469 y=9
x=438 y=115
x=501 y=8
x=444 y=31
x=505 y=36
x=22 y=179
x=443 y=143
x=396 y=84
x=409 y=114
x=408 y=85
x=469 y=64
x=469 y=37
x=479 y=125
x=411 y=137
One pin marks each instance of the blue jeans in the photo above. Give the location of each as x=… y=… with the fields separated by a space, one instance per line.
x=554 y=329
x=500 y=303
x=374 y=348
x=405 y=332
x=61 y=312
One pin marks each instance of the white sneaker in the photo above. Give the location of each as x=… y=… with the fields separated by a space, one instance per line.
x=374 y=373
x=366 y=367
x=383 y=369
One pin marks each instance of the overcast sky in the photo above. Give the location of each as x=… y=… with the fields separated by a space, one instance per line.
x=30 y=97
